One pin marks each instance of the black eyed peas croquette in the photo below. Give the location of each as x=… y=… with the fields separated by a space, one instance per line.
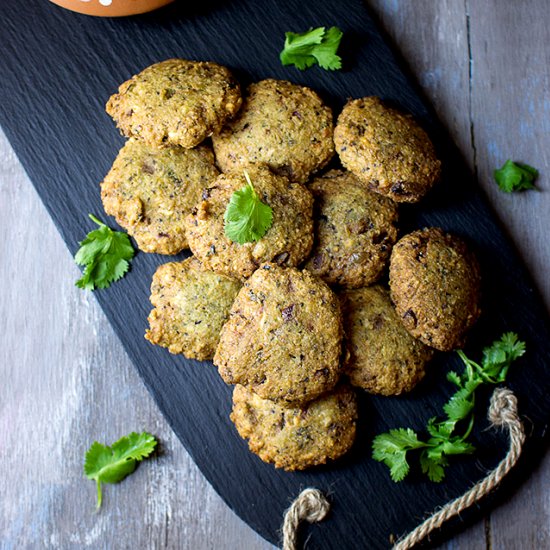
x=287 y=242
x=281 y=124
x=355 y=230
x=386 y=149
x=190 y=307
x=383 y=358
x=150 y=191
x=175 y=102
x=435 y=286
x=283 y=338
x=296 y=438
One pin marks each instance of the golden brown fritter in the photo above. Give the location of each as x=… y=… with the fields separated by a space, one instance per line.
x=299 y=437
x=287 y=242
x=150 y=191
x=191 y=306
x=355 y=230
x=175 y=102
x=383 y=358
x=435 y=286
x=281 y=124
x=283 y=337
x=386 y=149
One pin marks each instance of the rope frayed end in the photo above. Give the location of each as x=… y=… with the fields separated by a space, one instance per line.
x=503 y=409
x=311 y=506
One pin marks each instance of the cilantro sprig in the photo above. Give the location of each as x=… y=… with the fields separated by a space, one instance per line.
x=106 y=255
x=448 y=436
x=246 y=217
x=316 y=46
x=112 y=464
x=513 y=176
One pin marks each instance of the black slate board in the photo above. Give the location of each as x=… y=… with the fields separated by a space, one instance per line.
x=58 y=69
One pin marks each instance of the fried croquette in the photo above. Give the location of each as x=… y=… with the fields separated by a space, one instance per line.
x=283 y=337
x=281 y=124
x=191 y=306
x=386 y=149
x=355 y=230
x=287 y=242
x=150 y=191
x=175 y=102
x=383 y=358
x=435 y=286
x=299 y=437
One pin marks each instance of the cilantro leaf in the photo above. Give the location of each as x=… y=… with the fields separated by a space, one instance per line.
x=316 y=46
x=515 y=177
x=247 y=218
x=325 y=53
x=392 y=447
x=440 y=430
x=433 y=466
x=498 y=357
x=105 y=254
x=112 y=464
x=461 y=404
x=457 y=446
x=454 y=378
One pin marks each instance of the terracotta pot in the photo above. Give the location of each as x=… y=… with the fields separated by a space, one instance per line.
x=111 y=8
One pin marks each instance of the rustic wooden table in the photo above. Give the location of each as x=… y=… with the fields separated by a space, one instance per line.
x=66 y=381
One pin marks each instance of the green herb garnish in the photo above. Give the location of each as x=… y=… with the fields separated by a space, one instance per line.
x=106 y=255
x=247 y=218
x=112 y=464
x=515 y=177
x=316 y=46
x=446 y=439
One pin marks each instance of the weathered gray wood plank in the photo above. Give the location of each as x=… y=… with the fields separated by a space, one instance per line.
x=65 y=382
x=485 y=68
x=511 y=119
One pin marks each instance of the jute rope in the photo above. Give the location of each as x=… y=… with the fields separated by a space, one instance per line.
x=312 y=506
x=503 y=413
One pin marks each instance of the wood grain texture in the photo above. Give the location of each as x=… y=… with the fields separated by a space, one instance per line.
x=66 y=381
x=79 y=369
x=511 y=77
x=489 y=85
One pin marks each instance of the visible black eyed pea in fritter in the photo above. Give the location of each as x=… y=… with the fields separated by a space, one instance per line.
x=175 y=102
x=191 y=306
x=435 y=286
x=386 y=149
x=296 y=438
x=355 y=230
x=383 y=358
x=281 y=124
x=150 y=191
x=283 y=337
x=287 y=242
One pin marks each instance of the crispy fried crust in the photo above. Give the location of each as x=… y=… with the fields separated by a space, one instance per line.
x=150 y=191
x=191 y=306
x=288 y=241
x=355 y=230
x=435 y=286
x=281 y=124
x=386 y=149
x=175 y=102
x=383 y=358
x=299 y=437
x=283 y=337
